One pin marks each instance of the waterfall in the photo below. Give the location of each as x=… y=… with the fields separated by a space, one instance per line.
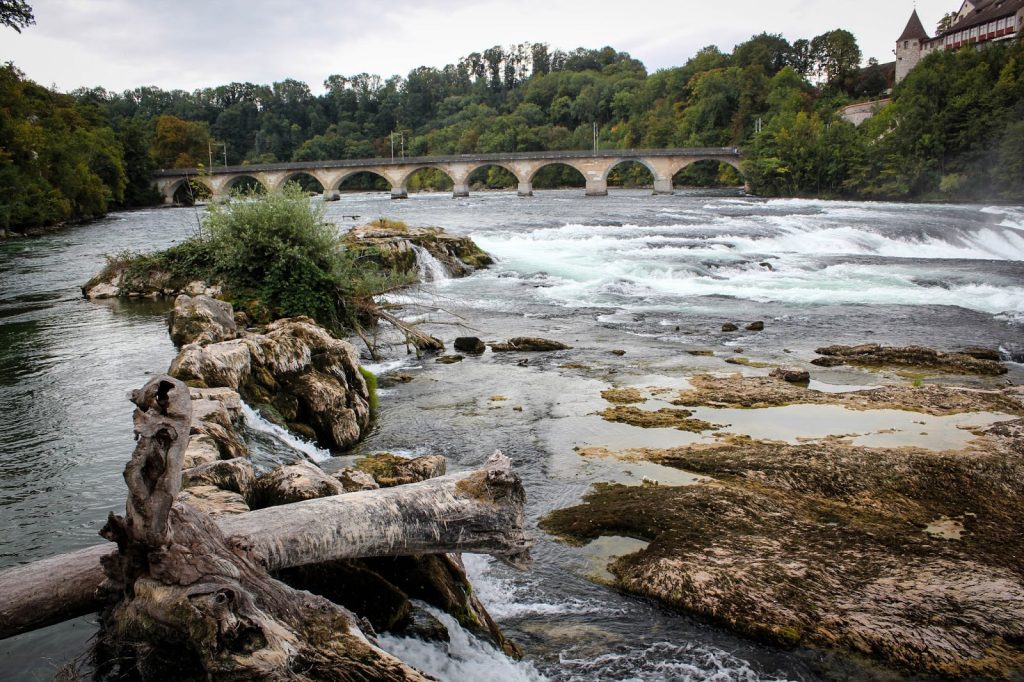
x=430 y=269
x=257 y=423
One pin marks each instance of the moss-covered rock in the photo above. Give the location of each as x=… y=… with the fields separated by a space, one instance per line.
x=834 y=545
x=920 y=357
x=390 y=244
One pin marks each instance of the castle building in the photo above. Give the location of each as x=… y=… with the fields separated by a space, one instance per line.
x=978 y=23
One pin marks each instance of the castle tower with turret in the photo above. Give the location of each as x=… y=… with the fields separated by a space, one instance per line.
x=909 y=46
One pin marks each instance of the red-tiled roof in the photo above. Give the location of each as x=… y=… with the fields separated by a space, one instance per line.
x=915 y=29
x=985 y=12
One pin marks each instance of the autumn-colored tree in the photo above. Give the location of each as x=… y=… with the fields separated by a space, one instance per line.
x=179 y=144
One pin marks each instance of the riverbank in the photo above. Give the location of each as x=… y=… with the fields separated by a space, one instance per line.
x=655 y=277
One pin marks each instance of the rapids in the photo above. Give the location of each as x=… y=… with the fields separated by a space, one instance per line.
x=653 y=276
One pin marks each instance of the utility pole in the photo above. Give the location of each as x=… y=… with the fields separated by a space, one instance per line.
x=595 y=138
x=392 y=146
x=402 y=136
x=209 y=150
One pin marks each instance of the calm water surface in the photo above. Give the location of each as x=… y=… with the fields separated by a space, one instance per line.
x=654 y=276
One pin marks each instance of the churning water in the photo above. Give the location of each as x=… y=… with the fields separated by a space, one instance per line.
x=654 y=276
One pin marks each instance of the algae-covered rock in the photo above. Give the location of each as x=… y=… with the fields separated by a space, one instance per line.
x=354 y=480
x=235 y=475
x=794 y=375
x=391 y=245
x=470 y=344
x=213 y=501
x=201 y=320
x=295 y=482
x=874 y=355
x=828 y=544
x=756 y=392
x=624 y=396
x=665 y=418
x=391 y=470
x=309 y=376
x=528 y=344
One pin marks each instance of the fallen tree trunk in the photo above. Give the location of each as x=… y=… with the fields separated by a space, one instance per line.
x=478 y=512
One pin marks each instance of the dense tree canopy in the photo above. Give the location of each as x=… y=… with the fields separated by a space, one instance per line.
x=16 y=14
x=952 y=130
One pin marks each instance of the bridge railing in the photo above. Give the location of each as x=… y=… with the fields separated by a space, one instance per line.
x=459 y=158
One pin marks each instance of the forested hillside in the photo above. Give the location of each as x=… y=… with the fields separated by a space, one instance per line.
x=955 y=129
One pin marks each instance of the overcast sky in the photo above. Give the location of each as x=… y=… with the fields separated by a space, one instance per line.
x=188 y=44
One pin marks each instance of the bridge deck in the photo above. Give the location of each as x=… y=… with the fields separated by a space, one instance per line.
x=461 y=158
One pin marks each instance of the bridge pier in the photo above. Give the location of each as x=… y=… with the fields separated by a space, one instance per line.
x=399 y=192
x=597 y=188
x=663 y=186
x=460 y=190
x=525 y=189
x=332 y=195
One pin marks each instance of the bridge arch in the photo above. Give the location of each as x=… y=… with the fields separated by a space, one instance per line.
x=302 y=178
x=185 y=191
x=718 y=161
x=644 y=163
x=336 y=184
x=243 y=182
x=403 y=183
x=474 y=168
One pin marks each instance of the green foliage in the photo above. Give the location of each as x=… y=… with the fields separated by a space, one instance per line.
x=278 y=249
x=16 y=14
x=58 y=162
x=953 y=130
x=371 y=384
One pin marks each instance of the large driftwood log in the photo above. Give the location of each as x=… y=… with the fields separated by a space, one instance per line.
x=479 y=511
x=188 y=601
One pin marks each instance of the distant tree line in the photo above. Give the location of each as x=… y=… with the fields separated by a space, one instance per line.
x=953 y=131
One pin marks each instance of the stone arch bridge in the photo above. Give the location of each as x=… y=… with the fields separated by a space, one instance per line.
x=594 y=166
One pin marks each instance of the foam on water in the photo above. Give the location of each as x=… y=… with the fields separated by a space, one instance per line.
x=825 y=254
x=382 y=368
x=463 y=658
x=661 y=661
x=257 y=423
x=506 y=598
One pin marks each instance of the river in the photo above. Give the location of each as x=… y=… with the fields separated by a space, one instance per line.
x=652 y=276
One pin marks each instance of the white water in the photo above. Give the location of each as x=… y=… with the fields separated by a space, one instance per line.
x=835 y=254
x=463 y=659
x=430 y=269
x=257 y=423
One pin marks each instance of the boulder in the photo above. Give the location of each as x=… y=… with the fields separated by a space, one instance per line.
x=729 y=327
x=224 y=365
x=755 y=326
x=201 y=320
x=470 y=344
x=793 y=375
x=311 y=378
x=528 y=344
x=294 y=483
x=212 y=419
x=390 y=245
x=449 y=359
x=236 y=475
x=213 y=501
x=102 y=290
x=230 y=399
x=390 y=470
x=353 y=480
x=201 y=449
